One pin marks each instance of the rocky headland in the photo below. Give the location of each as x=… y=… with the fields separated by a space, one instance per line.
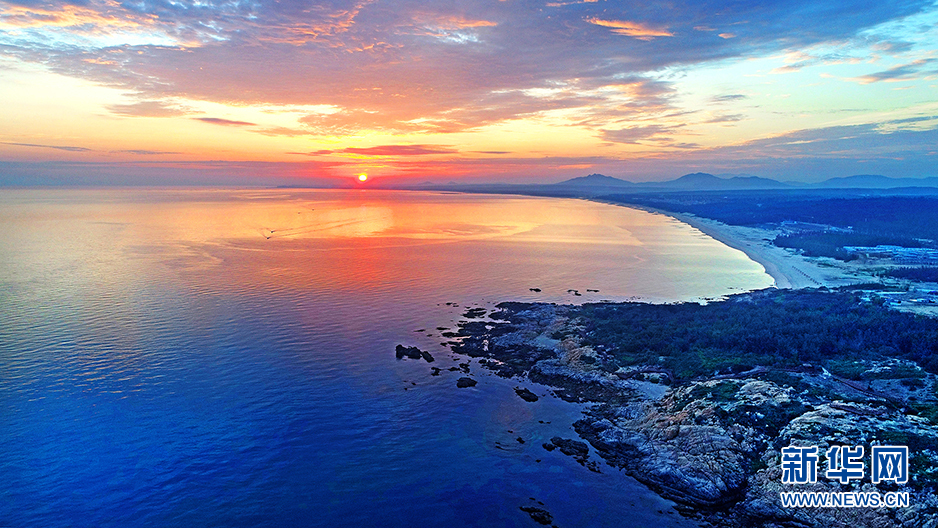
x=707 y=432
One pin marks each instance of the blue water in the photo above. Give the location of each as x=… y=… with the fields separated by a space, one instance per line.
x=204 y=358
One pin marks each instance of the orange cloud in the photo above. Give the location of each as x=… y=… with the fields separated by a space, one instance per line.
x=223 y=122
x=449 y=28
x=457 y=22
x=303 y=32
x=631 y=29
x=386 y=150
x=69 y=16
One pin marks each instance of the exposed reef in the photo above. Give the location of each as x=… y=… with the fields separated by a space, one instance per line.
x=402 y=352
x=526 y=394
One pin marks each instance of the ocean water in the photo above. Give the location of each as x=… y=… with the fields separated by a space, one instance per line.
x=226 y=357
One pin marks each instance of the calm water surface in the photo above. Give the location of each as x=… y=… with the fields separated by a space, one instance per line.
x=226 y=358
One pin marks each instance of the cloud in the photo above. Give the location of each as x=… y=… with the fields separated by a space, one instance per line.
x=631 y=29
x=146 y=109
x=503 y=168
x=56 y=147
x=323 y=152
x=410 y=67
x=145 y=152
x=913 y=120
x=400 y=150
x=817 y=154
x=88 y=19
x=725 y=118
x=729 y=98
x=484 y=109
x=386 y=150
x=462 y=23
x=804 y=155
x=393 y=66
x=223 y=122
x=633 y=135
x=451 y=22
x=854 y=143
x=902 y=72
x=285 y=131
x=799 y=60
x=153 y=172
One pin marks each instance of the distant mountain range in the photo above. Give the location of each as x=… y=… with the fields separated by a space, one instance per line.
x=701 y=181
x=600 y=184
x=874 y=181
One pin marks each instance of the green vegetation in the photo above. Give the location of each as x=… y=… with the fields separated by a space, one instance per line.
x=908 y=217
x=927 y=411
x=894 y=372
x=870 y=286
x=920 y=274
x=832 y=244
x=908 y=221
x=720 y=392
x=769 y=418
x=778 y=328
x=846 y=368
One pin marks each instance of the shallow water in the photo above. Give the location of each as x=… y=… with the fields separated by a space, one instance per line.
x=226 y=358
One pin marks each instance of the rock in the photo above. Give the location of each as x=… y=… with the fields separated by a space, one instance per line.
x=525 y=394
x=464 y=382
x=409 y=352
x=710 y=444
x=576 y=449
x=539 y=515
x=695 y=465
x=671 y=432
x=580 y=451
x=412 y=353
x=474 y=313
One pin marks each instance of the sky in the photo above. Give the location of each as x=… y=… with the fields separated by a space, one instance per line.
x=271 y=92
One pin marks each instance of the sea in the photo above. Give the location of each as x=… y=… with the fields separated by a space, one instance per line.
x=226 y=357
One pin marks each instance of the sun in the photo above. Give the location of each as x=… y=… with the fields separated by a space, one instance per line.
x=362 y=177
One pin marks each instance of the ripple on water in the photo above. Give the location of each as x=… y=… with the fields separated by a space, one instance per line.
x=167 y=369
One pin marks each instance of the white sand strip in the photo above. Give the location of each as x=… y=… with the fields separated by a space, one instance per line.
x=790 y=270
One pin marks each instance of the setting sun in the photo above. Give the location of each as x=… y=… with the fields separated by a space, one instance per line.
x=362 y=177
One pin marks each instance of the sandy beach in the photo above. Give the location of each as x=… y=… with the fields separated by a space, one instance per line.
x=786 y=267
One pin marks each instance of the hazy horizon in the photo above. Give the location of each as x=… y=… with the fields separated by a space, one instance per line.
x=219 y=180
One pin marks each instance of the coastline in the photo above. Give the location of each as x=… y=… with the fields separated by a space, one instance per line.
x=789 y=270
x=710 y=441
